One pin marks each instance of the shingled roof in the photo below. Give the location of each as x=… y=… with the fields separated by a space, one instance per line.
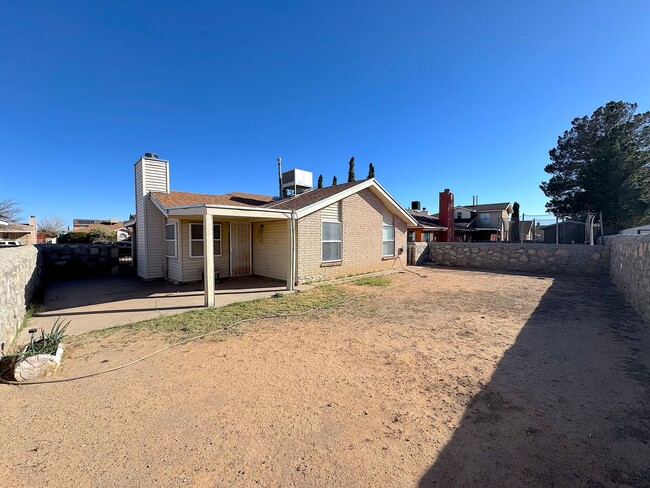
x=237 y=199
x=487 y=207
x=310 y=197
x=307 y=202
x=425 y=220
x=186 y=199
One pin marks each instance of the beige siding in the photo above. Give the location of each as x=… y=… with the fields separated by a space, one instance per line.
x=271 y=249
x=155 y=245
x=193 y=267
x=174 y=265
x=155 y=176
x=362 y=216
x=332 y=212
x=150 y=175
x=141 y=263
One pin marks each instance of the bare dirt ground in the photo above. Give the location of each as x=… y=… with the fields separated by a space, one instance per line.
x=457 y=379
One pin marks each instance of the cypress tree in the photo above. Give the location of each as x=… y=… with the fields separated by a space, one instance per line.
x=371 y=171
x=320 y=181
x=351 y=170
x=334 y=181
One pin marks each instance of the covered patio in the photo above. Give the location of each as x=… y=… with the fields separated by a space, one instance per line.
x=103 y=302
x=243 y=241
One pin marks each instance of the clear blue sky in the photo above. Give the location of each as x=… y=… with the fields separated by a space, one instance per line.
x=467 y=95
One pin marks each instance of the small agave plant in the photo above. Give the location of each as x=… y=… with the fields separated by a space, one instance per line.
x=48 y=343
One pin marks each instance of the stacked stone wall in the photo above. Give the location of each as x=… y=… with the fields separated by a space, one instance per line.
x=545 y=259
x=77 y=260
x=20 y=270
x=630 y=269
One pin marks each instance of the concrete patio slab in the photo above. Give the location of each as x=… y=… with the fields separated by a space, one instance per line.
x=99 y=303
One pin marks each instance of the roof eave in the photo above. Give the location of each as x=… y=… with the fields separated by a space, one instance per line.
x=371 y=183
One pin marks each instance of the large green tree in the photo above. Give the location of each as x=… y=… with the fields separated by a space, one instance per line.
x=603 y=164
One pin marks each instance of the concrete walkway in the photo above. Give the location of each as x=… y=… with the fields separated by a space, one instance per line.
x=99 y=303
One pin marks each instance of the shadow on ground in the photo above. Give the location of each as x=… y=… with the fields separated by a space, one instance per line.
x=568 y=404
x=82 y=292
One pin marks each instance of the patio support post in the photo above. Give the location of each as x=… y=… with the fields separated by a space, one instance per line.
x=291 y=228
x=208 y=260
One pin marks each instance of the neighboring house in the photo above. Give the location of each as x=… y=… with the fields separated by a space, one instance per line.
x=15 y=234
x=486 y=222
x=122 y=232
x=641 y=230
x=79 y=225
x=428 y=228
x=319 y=233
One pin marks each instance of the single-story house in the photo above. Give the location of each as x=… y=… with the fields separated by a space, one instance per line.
x=428 y=228
x=314 y=234
x=122 y=233
x=13 y=233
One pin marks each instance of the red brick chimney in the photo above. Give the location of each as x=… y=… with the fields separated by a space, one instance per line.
x=446 y=215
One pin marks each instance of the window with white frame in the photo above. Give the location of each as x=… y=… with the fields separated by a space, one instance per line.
x=196 y=240
x=331 y=241
x=171 y=241
x=331 y=233
x=388 y=239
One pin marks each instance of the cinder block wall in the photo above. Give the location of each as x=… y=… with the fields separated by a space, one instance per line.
x=362 y=219
x=546 y=259
x=20 y=270
x=630 y=269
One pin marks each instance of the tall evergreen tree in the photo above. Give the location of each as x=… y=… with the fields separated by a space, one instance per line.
x=603 y=164
x=351 y=170
x=514 y=223
x=320 y=181
x=371 y=171
x=334 y=181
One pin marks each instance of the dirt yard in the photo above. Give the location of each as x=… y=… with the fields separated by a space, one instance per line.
x=456 y=379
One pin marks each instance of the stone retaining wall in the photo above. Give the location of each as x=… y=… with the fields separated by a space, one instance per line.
x=546 y=259
x=20 y=271
x=630 y=269
x=74 y=260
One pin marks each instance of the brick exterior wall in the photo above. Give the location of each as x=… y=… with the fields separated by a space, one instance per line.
x=362 y=218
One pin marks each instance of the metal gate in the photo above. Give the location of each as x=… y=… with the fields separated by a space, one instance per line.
x=240 y=248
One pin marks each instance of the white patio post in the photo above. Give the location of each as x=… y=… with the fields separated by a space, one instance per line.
x=208 y=260
x=292 y=252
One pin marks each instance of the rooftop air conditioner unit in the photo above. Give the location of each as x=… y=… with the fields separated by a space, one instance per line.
x=297 y=181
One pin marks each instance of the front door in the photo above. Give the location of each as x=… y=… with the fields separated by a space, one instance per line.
x=240 y=248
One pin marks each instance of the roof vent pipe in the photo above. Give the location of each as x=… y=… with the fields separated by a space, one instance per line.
x=280 y=177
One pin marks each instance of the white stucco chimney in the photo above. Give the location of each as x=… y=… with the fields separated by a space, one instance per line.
x=151 y=175
x=33 y=232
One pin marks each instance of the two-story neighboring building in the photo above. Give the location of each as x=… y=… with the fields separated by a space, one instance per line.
x=486 y=222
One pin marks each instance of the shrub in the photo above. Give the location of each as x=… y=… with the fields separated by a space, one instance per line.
x=74 y=238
